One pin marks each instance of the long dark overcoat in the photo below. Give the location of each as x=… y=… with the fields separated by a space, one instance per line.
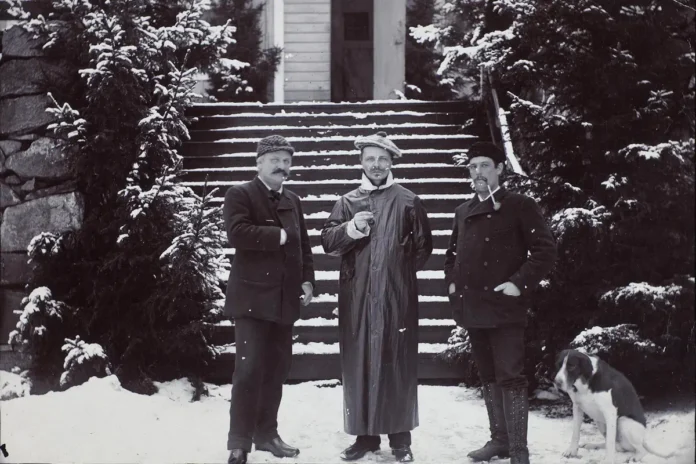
x=489 y=247
x=266 y=278
x=378 y=307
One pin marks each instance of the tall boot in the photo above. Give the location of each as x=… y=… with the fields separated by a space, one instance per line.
x=498 y=444
x=516 y=406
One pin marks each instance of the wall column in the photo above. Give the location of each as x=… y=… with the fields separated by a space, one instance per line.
x=389 y=32
x=279 y=41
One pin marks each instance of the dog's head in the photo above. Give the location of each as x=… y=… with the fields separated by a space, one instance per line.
x=572 y=365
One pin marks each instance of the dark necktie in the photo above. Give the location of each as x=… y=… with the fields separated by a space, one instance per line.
x=274 y=196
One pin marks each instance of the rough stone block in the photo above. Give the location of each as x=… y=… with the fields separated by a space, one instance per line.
x=45 y=159
x=10 y=301
x=8 y=147
x=14 y=269
x=7 y=196
x=17 y=42
x=65 y=187
x=27 y=77
x=24 y=114
x=56 y=214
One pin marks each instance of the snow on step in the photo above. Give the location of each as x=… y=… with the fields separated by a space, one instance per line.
x=374 y=125
x=317 y=232
x=326 y=214
x=333 y=298
x=333 y=348
x=324 y=167
x=323 y=322
x=343 y=138
x=319 y=250
x=291 y=182
x=426 y=275
x=405 y=152
x=356 y=115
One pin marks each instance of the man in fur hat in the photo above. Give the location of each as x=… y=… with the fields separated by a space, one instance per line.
x=272 y=274
x=500 y=249
x=381 y=232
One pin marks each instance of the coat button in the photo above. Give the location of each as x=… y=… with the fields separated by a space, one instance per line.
x=487 y=239
x=466 y=287
x=485 y=263
x=485 y=288
x=489 y=216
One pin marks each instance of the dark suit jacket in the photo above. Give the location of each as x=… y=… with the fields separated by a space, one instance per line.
x=266 y=278
x=488 y=248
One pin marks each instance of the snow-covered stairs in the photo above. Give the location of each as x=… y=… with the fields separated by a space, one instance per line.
x=326 y=165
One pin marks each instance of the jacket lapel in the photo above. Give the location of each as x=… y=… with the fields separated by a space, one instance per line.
x=479 y=207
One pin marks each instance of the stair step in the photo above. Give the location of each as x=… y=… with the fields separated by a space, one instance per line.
x=209 y=109
x=325 y=366
x=323 y=131
x=320 y=158
x=327 y=282
x=304 y=189
x=324 y=262
x=328 y=333
x=230 y=146
x=436 y=223
x=342 y=119
x=431 y=309
x=323 y=173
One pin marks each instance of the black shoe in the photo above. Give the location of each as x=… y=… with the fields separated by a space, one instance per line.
x=403 y=454
x=357 y=450
x=278 y=448
x=489 y=451
x=237 y=456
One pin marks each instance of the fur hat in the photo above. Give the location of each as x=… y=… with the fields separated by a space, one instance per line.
x=487 y=149
x=273 y=143
x=378 y=140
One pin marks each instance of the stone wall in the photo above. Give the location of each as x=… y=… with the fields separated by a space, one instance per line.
x=37 y=193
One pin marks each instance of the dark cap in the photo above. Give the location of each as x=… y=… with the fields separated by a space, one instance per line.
x=273 y=143
x=487 y=149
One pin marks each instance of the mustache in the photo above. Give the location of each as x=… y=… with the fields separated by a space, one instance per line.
x=281 y=171
x=481 y=178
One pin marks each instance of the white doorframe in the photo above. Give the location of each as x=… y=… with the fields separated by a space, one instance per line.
x=279 y=39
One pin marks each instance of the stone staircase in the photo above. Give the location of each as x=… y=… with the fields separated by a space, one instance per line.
x=326 y=165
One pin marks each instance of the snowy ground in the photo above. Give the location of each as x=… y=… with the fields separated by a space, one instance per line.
x=100 y=422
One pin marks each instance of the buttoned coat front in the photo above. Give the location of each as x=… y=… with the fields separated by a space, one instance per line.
x=489 y=247
x=266 y=277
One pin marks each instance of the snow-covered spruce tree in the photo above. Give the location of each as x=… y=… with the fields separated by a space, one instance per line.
x=602 y=101
x=141 y=273
x=247 y=69
x=422 y=59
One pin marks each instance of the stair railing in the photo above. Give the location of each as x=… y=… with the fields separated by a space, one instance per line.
x=497 y=120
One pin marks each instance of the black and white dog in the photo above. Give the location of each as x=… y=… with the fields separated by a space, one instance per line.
x=611 y=401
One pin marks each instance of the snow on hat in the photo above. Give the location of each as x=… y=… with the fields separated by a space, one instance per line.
x=378 y=140
x=487 y=149
x=273 y=143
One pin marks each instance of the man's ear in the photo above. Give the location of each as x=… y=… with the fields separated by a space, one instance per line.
x=500 y=168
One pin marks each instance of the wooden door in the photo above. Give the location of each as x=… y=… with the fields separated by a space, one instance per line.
x=352 y=50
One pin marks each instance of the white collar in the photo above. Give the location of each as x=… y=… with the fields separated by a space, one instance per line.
x=489 y=195
x=280 y=190
x=368 y=186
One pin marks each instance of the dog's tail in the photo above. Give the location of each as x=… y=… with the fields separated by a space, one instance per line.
x=656 y=452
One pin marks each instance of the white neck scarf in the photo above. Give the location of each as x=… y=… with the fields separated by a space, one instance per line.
x=368 y=186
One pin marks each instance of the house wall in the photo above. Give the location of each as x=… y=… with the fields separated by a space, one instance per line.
x=307 y=55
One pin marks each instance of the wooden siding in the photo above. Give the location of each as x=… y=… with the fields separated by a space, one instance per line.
x=307 y=50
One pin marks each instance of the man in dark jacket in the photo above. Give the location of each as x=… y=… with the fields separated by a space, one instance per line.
x=500 y=249
x=381 y=232
x=272 y=273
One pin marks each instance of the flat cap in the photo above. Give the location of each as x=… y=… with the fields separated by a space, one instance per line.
x=378 y=140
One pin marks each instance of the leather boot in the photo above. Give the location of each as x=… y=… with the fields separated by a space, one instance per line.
x=498 y=444
x=516 y=406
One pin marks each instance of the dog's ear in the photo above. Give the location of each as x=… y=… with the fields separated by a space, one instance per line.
x=560 y=357
x=584 y=366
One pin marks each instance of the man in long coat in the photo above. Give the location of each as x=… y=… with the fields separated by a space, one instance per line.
x=500 y=249
x=382 y=234
x=272 y=273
